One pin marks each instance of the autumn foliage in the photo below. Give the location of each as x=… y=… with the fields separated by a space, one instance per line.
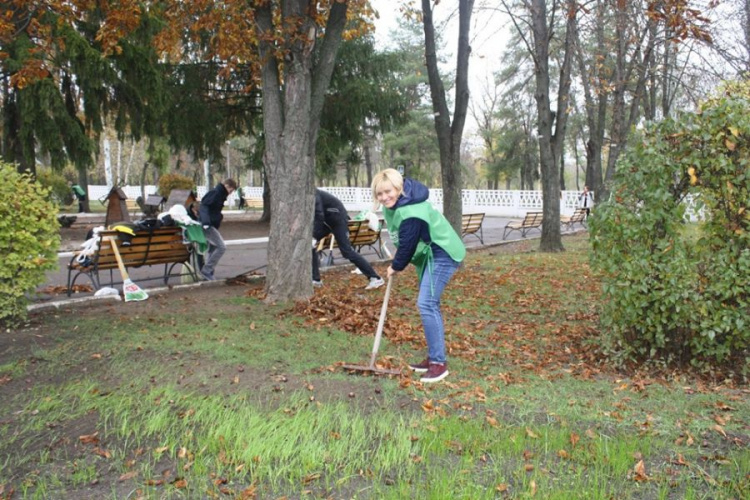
x=677 y=289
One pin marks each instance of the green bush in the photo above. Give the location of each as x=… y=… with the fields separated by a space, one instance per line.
x=29 y=240
x=59 y=191
x=677 y=290
x=168 y=182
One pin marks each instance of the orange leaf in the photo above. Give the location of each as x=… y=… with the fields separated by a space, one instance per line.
x=89 y=438
x=574 y=438
x=640 y=471
x=128 y=475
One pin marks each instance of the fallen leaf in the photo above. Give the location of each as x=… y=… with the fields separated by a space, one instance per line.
x=128 y=475
x=720 y=430
x=89 y=438
x=640 y=471
x=574 y=438
x=531 y=434
x=310 y=478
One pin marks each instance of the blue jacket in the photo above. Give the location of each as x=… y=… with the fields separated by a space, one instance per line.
x=211 y=205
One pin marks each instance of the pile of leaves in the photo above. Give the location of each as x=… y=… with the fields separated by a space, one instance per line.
x=525 y=335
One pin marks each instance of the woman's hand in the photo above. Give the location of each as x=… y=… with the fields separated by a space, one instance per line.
x=390 y=272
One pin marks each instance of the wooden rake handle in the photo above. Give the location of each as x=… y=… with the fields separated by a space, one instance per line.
x=120 y=264
x=381 y=322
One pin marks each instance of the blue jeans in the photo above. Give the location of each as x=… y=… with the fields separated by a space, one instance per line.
x=216 y=250
x=430 y=290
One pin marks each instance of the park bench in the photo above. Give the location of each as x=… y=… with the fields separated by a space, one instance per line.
x=532 y=220
x=253 y=203
x=578 y=217
x=472 y=224
x=132 y=206
x=147 y=248
x=360 y=236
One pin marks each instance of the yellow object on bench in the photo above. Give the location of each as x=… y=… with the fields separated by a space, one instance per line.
x=147 y=248
x=578 y=217
x=360 y=235
x=472 y=224
x=531 y=221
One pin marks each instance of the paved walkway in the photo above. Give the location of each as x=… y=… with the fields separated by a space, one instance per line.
x=250 y=255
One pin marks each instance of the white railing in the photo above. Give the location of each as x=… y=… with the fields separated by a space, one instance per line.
x=490 y=201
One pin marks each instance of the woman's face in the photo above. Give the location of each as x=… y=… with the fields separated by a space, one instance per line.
x=387 y=194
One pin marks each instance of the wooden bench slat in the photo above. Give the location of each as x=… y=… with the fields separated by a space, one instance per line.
x=472 y=224
x=532 y=220
x=578 y=217
x=159 y=246
x=360 y=235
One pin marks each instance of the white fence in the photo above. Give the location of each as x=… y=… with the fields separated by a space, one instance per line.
x=490 y=201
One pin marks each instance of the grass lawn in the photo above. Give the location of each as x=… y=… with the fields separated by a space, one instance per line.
x=210 y=393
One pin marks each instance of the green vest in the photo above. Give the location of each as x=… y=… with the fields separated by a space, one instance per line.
x=441 y=232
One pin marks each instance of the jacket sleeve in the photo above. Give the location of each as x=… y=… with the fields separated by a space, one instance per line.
x=205 y=210
x=408 y=239
x=319 y=213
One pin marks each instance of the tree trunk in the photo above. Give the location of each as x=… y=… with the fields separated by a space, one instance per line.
x=550 y=146
x=291 y=121
x=449 y=135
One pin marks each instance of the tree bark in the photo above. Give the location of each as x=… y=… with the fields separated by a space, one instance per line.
x=291 y=120
x=550 y=143
x=449 y=135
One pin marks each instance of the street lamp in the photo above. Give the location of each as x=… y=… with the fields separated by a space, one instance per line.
x=228 y=171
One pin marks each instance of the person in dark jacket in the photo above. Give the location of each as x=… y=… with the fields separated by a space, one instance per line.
x=331 y=217
x=422 y=236
x=210 y=217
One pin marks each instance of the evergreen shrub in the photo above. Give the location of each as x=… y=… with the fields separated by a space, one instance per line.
x=676 y=286
x=29 y=240
x=168 y=182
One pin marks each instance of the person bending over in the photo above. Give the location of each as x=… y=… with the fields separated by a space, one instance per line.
x=422 y=236
x=331 y=217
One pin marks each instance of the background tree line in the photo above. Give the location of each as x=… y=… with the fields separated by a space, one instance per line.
x=303 y=95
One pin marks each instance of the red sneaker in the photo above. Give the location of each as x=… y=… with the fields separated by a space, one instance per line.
x=420 y=367
x=435 y=373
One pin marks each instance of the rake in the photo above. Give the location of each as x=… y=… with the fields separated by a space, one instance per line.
x=376 y=345
x=130 y=290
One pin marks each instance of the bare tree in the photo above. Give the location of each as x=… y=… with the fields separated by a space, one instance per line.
x=537 y=28
x=449 y=134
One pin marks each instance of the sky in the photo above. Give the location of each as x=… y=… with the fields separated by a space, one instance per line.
x=489 y=32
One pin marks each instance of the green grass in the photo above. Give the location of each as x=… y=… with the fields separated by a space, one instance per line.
x=237 y=398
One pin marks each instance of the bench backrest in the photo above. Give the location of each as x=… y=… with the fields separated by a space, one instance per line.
x=579 y=215
x=360 y=235
x=471 y=223
x=160 y=246
x=532 y=219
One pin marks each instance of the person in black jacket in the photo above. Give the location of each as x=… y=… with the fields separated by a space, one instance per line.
x=210 y=217
x=331 y=217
